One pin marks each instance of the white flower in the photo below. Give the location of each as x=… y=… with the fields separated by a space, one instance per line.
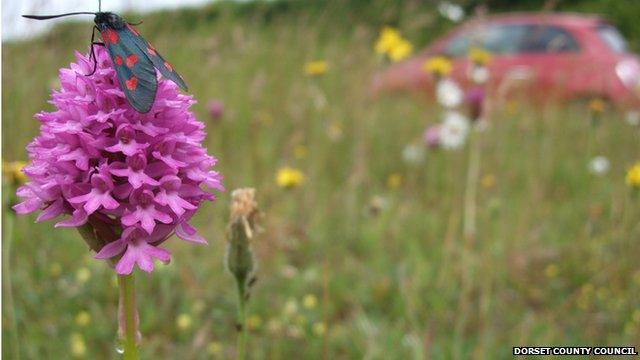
x=413 y=154
x=448 y=93
x=451 y=11
x=454 y=130
x=633 y=118
x=599 y=165
x=479 y=74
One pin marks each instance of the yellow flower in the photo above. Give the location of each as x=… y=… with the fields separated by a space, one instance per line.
x=597 y=105
x=289 y=178
x=55 y=269
x=254 y=322
x=214 y=348
x=438 y=65
x=400 y=50
x=512 y=107
x=319 y=328
x=633 y=176
x=78 y=347
x=394 y=181
x=388 y=38
x=316 y=68
x=83 y=275
x=310 y=301
x=551 y=271
x=488 y=181
x=184 y=321
x=83 y=318
x=479 y=56
x=300 y=152
x=12 y=170
x=334 y=131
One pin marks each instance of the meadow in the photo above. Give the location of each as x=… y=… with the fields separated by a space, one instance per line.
x=366 y=258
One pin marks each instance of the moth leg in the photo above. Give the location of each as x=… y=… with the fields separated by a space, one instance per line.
x=93 y=54
x=136 y=24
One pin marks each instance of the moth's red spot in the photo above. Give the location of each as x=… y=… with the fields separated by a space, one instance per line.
x=109 y=36
x=118 y=60
x=132 y=83
x=133 y=30
x=131 y=60
x=168 y=66
x=151 y=50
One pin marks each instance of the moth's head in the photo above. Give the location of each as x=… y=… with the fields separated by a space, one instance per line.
x=110 y=19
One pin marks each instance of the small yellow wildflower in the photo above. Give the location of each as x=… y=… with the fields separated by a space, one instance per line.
x=83 y=275
x=78 y=347
x=488 y=181
x=12 y=170
x=479 y=56
x=289 y=178
x=254 y=322
x=633 y=176
x=310 y=301
x=83 y=318
x=394 y=181
x=214 y=348
x=597 y=105
x=319 y=328
x=334 y=131
x=551 y=271
x=438 y=65
x=55 y=269
x=401 y=50
x=300 y=152
x=388 y=38
x=316 y=68
x=184 y=321
x=511 y=107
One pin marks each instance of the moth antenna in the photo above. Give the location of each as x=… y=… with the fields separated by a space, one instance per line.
x=99 y=5
x=46 y=17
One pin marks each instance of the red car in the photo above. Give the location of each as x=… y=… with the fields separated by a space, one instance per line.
x=556 y=56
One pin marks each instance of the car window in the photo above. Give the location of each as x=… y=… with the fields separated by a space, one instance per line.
x=498 y=39
x=514 y=38
x=548 y=39
x=612 y=38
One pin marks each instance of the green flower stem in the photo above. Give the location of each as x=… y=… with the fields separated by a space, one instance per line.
x=128 y=296
x=242 y=331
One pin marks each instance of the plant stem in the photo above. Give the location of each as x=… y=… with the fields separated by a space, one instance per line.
x=128 y=298
x=6 y=272
x=242 y=331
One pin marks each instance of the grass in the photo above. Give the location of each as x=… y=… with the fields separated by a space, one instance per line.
x=554 y=262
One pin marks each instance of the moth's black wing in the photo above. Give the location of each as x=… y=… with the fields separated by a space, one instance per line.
x=158 y=61
x=136 y=73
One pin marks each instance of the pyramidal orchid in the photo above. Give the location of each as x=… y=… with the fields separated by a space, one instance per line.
x=133 y=179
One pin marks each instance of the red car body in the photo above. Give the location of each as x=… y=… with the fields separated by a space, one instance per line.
x=549 y=56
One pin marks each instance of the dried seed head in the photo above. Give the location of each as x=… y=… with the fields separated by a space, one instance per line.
x=242 y=227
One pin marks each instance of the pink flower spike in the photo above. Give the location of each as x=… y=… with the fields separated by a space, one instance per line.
x=132 y=178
